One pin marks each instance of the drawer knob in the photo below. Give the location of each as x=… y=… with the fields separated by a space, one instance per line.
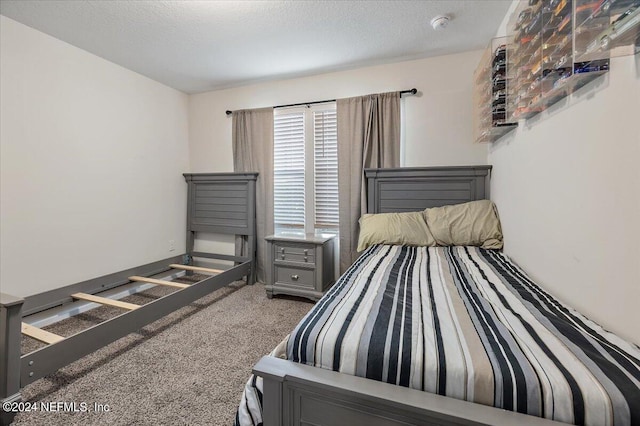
x=306 y=252
x=282 y=256
x=295 y=277
x=306 y=258
x=282 y=249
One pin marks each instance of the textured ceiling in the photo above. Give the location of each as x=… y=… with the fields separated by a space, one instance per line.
x=196 y=46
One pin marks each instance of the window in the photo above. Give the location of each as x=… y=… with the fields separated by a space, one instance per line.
x=306 y=168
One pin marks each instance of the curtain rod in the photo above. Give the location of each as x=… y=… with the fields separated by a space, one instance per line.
x=403 y=92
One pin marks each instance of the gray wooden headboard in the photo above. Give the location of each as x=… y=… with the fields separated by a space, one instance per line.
x=222 y=203
x=417 y=188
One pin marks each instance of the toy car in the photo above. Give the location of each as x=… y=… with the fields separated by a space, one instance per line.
x=612 y=5
x=618 y=32
x=591 y=66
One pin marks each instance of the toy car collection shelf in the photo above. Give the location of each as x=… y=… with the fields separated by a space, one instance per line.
x=554 y=48
x=490 y=94
x=610 y=28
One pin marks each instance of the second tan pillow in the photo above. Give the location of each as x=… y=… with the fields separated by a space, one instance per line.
x=469 y=224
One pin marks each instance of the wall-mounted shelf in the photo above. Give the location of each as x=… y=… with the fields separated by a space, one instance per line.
x=542 y=52
x=610 y=28
x=525 y=54
x=491 y=94
x=555 y=47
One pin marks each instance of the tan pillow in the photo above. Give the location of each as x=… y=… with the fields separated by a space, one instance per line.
x=470 y=224
x=394 y=228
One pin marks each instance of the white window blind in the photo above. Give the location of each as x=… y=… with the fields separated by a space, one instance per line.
x=288 y=166
x=325 y=169
x=306 y=168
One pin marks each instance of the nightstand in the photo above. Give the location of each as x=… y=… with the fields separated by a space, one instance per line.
x=300 y=266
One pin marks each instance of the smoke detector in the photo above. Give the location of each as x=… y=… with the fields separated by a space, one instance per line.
x=440 y=22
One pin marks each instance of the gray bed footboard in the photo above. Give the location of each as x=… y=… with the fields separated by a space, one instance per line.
x=10 y=321
x=297 y=394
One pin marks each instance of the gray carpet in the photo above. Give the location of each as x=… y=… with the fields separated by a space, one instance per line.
x=187 y=368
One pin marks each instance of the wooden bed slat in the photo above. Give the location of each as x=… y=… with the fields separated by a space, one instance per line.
x=40 y=334
x=196 y=268
x=158 y=282
x=105 y=301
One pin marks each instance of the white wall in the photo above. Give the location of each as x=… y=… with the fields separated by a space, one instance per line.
x=437 y=123
x=91 y=162
x=567 y=186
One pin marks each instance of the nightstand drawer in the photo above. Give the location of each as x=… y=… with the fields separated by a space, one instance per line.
x=295 y=276
x=294 y=253
x=295 y=257
x=292 y=248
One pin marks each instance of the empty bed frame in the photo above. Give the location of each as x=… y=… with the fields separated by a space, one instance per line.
x=296 y=393
x=220 y=203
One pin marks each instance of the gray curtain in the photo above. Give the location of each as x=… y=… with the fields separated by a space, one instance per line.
x=252 y=140
x=368 y=136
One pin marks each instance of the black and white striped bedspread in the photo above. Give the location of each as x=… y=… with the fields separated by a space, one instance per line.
x=467 y=323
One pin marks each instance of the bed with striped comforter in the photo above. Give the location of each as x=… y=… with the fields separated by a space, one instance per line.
x=466 y=323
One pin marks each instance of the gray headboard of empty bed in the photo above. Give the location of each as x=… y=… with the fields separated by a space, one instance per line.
x=417 y=188
x=221 y=203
